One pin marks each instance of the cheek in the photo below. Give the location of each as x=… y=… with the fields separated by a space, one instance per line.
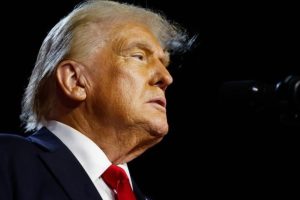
x=127 y=89
x=130 y=82
x=130 y=91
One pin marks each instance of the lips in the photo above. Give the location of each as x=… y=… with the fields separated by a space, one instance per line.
x=161 y=101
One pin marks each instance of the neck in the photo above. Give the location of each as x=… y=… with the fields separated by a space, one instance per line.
x=121 y=145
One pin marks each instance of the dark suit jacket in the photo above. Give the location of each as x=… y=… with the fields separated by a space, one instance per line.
x=41 y=167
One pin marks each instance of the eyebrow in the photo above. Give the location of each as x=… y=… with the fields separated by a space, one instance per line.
x=165 y=59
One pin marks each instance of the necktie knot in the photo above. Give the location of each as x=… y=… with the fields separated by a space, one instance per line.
x=116 y=178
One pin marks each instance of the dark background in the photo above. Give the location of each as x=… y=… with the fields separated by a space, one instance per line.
x=213 y=149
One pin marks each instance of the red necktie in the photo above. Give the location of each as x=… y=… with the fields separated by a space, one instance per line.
x=116 y=178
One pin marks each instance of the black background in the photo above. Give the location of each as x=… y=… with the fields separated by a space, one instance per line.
x=212 y=149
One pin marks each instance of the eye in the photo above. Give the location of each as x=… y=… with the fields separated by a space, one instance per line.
x=139 y=56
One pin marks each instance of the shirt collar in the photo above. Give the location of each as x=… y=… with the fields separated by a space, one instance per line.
x=91 y=157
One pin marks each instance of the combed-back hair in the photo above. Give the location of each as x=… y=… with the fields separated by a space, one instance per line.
x=75 y=36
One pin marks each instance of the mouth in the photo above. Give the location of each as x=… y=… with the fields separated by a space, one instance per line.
x=159 y=101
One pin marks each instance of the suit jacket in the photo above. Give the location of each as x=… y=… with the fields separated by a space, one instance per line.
x=41 y=167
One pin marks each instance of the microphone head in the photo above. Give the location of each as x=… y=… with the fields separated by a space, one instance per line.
x=246 y=93
x=280 y=100
x=284 y=95
x=288 y=92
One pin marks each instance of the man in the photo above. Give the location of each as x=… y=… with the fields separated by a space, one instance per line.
x=96 y=99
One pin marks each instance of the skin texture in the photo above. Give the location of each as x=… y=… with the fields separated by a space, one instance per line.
x=116 y=97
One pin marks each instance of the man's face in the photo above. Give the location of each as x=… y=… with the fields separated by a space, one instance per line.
x=128 y=81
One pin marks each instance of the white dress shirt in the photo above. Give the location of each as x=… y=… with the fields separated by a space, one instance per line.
x=89 y=155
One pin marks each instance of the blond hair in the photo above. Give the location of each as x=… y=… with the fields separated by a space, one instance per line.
x=72 y=36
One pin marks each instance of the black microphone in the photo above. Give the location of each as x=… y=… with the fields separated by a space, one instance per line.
x=283 y=95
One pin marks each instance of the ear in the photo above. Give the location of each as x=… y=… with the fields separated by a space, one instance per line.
x=70 y=79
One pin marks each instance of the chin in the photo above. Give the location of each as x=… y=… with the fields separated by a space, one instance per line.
x=160 y=131
x=158 y=125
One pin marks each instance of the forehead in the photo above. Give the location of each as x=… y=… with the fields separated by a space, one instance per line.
x=134 y=33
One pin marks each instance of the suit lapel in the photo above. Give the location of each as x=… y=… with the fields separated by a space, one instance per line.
x=65 y=167
x=138 y=193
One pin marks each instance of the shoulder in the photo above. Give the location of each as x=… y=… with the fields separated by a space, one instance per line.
x=15 y=146
x=21 y=169
x=18 y=155
x=12 y=140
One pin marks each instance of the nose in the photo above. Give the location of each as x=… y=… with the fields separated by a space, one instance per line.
x=162 y=78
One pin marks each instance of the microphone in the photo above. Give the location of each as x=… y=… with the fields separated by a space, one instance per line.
x=283 y=95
